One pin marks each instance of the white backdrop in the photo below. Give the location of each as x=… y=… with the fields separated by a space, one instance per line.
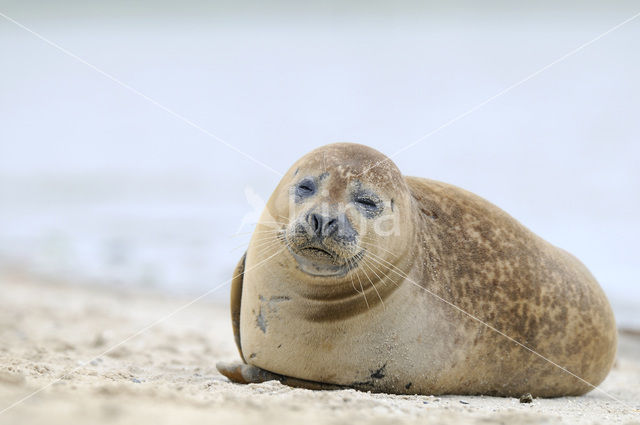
x=99 y=185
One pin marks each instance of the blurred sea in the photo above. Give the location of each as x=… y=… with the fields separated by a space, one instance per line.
x=99 y=185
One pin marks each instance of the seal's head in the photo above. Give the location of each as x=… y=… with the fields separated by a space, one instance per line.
x=340 y=206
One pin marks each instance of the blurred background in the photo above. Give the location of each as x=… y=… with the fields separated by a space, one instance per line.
x=100 y=186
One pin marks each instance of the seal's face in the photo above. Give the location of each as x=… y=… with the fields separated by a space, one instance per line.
x=340 y=210
x=323 y=237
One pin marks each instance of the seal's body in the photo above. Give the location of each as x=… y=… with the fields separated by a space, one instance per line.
x=357 y=276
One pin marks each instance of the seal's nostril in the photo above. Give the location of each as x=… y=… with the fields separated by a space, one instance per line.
x=330 y=227
x=323 y=226
x=315 y=221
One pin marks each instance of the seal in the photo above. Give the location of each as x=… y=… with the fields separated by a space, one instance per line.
x=357 y=276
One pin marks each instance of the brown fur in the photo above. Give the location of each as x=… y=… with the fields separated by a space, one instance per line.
x=488 y=264
x=454 y=247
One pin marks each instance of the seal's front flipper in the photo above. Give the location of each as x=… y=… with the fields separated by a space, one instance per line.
x=237 y=372
x=248 y=374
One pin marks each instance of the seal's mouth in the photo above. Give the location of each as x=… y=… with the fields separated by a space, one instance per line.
x=321 y=261
x=315 y=252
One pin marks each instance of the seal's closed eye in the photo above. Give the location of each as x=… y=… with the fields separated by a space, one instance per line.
x=368 y=203
x=305 y=188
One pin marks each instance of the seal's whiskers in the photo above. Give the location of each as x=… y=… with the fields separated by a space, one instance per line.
x=370 y=242
x=391 y=266
x=352 y=282
x=372 y=284
x=362 y=289
x=370 y=265
x=374 y=264
x=388 y=264
x=267 y=243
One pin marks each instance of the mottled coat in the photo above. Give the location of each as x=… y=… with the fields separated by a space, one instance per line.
x=460 y=298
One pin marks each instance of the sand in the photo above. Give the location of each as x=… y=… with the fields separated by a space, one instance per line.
x=64 y=352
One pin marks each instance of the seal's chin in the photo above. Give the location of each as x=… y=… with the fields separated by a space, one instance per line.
x=320 y=262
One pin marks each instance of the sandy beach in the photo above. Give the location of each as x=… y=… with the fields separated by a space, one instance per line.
x=83 y=354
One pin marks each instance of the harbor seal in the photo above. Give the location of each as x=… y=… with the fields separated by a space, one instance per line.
x=357 y=276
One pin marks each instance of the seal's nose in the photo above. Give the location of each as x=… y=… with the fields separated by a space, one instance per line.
x=324 y=226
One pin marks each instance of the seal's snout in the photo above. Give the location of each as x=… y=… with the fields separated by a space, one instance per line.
x=324 y=243
x=321 y=225
x=334 y=226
